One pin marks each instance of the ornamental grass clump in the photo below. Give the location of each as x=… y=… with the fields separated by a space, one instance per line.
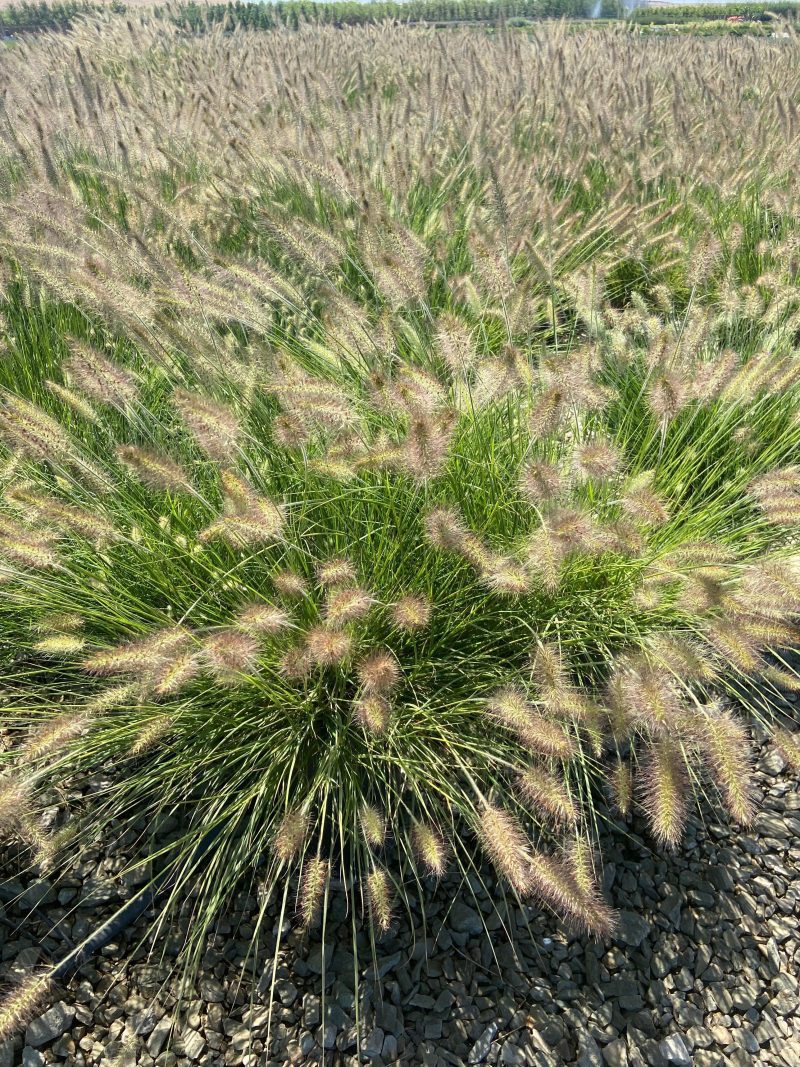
x=381 y=492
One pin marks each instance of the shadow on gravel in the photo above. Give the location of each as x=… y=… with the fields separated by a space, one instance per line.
x=702 y=971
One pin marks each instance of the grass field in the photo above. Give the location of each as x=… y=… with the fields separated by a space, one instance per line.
x=400 y=438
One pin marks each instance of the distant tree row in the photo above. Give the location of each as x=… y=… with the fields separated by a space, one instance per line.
x=27 y=18
x=655 y=16
x=292 y=13
x=31 y=17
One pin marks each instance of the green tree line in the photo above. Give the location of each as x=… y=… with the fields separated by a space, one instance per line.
x=32 y=17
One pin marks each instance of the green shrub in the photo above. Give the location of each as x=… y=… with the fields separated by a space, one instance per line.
x=384 y=502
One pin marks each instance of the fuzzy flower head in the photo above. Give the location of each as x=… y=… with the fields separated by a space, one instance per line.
x=411 y=613
x=336 y=571
x=326 y=647
x=379 y=672
x=346 y=604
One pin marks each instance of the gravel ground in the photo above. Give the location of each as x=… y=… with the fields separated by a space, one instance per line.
x=703 y=970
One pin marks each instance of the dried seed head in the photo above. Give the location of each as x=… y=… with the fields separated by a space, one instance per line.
x=596 y=459
x=641 y=503
x=682 y=657
x=379 y=672
x=505 y=576
x=313 y=884
x=54 y=735
x=507 y=846
x=430 y=848
x=289 y=583
x=411 y=613
x=213 y=426
x=625 y=537
x=511 y=707
x=152 y=734
x=373 y=711
x=549 y=795
x=63 y=516
x=290 y=431
x=332 y=572
x=14 y=799
x=668 y=393
x=594 y=914
x=62 y=622
x=157 y=471
x=147 y=654
x=291 y=835
x=99 y=377
x=231 y=654
x=295 y=664
x=621 y=786
x=548 y=668
x=373 y=826
x=173 y=673
x=325 y=647
x=733 y=643
x=771 y=588
x=417 y=392
x=546 y=557
x=115 y=697
x=445 y=529
x=251 y=519
x=664 y=791
x=541 y=482
x=46 y=846
x=778 y=495
x=60 y=645
x=346 y=604
x=262 y=618
x=27 y=547
x=726 y=747
x=33 y=433
x=23 y=1003
x=380 y=899
x=454 y=341
x=577 y=530
x=788 y=744
x=642 y=693
x=75 y=401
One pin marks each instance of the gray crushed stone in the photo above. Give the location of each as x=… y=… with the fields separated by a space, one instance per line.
x=703 y=970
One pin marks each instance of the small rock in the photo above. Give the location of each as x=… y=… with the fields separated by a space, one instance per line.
x=615 y=1054
x=443 y=1002
x=193 y=1044
x=311 y=1011
x=287 y=993
x=773 y=763
x=319 y=960
x=384 y=966
x=675 y=1052
x=465 y=920
x=158 y=1037
x=589 y=1054
x=480 y=1050
x=211 y=991
x=511 y=1054
x=49 y=1026
x=373 y=1044
x=98 y=890
x=632 y=928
